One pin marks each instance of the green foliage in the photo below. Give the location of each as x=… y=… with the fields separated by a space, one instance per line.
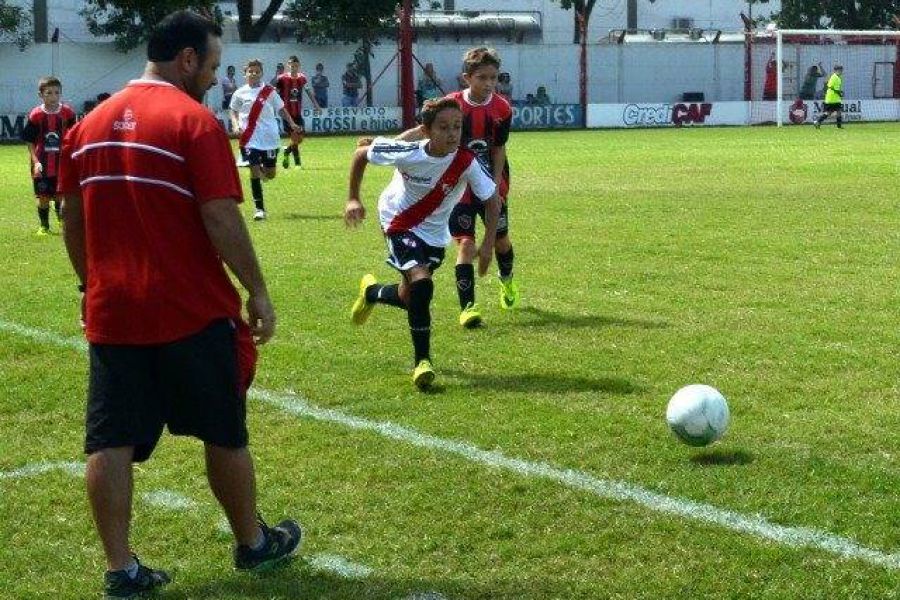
x=580 y=17
x=348 y=21
x=837 y=14
x=15 y=24
x=129 y=22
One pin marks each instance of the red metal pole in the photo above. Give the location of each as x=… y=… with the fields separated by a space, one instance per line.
x=407 y=87
x=583 y=77
x=748 y=65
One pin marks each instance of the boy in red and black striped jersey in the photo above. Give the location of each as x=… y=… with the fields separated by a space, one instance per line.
x=487 y=118
x=291 y=86
x=44 y=130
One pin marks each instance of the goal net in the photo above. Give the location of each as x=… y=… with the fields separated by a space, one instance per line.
x=789 y=69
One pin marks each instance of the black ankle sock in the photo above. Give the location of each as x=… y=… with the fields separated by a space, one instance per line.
x=465 y=284
x=296 y=152
x=385 y=294
x=57 y=207
x=505 y=262
x=840 y=121
x=419 y=316
x=44 y=216
x=256 y=187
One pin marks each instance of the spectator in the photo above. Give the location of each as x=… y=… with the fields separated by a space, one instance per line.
x=428 y=86
x=461 y=82
x=320 y=86
x=811 y=82
x=279 y=71
x=529 y=100
x=351 y=82
x=504 y=86
x=541 y=98
x=770 y=87
x=228 y=86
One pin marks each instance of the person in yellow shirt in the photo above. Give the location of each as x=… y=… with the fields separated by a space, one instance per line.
x=834 y=97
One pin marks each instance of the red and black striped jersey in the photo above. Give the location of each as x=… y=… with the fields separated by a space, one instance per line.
x=45 y=130
x=486 y=125
x=290 y=88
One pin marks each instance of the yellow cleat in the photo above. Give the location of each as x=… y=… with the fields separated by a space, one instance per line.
x=509 y=293
x=470 y=317
x=361 y=307
x=42 y=231
x=423 y=374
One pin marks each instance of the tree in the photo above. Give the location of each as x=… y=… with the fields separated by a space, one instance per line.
x=15 y=24
x=348 y=21
x=581 y=16
x=836 y=14
x=127 y=21
x=247 y=29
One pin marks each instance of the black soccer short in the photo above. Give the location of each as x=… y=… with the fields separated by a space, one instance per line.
x=464 y=214
x=262 y=158
x=831 y=107
x=406 y=250
x=197 y=386
x=45 y=187
x=287 y=126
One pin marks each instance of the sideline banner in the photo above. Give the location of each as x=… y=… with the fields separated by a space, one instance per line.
x=11 y=127
x=551 y=116
x=677 y=114
x=353 y=120
x=806 y=111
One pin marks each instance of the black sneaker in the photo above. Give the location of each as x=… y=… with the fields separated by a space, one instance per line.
x=117 y=584
x=281 y=543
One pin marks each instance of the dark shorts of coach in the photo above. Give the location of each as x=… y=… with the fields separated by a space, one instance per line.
x=196 y=386
x=831 y=107
x=45 y=187
x=406 y=250
x=464 y=215
x=261 y=158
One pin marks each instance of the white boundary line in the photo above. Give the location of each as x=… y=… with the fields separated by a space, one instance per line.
x=758 y=526
x=76 y=469
x=169 y=500
x=339 y=565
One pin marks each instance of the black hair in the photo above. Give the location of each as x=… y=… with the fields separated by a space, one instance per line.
x=431 y=108
x=179 y=30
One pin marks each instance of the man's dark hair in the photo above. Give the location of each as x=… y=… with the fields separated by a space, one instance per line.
x=177 y=31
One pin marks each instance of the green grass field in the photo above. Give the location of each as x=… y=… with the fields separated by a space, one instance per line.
x=760 y=261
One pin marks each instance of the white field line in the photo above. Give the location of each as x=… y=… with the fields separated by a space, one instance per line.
x=71 y=467
x=168 y=500
x=755 y=525
x=340 y=566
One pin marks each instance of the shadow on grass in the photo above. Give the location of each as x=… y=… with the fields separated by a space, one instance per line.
x=718 y=457
x=558 y=383
x=307 y=217
x=300 y=581
x=546 y=318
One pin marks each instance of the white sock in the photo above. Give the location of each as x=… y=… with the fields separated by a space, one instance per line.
x=132 y=569
x=260 y=539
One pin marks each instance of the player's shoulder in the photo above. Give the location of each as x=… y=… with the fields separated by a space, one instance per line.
x=36 y=112
x=458 y=96
x=500 y=105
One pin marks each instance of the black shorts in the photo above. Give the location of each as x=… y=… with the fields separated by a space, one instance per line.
x=45 y=187
x=298 y=120
x=462 y=219
x=406 y=250
x=197 y=386
x=261 y=158
x=831 y=107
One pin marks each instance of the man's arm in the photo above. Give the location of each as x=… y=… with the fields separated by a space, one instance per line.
x=228 y=234
x=73 y=235
x=235 y=121
x=354 y=211
x=311 y=97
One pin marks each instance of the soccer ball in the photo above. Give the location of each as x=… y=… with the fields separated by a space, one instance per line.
x=697 y=414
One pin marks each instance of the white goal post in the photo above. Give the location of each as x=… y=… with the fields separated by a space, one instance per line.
x=868 y=56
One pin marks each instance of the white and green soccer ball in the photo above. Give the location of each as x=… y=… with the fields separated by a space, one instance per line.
x=698 y=415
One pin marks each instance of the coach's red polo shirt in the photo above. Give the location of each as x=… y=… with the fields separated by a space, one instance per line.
x=144 y=161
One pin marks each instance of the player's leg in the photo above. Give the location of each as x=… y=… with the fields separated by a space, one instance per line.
x=295 y=148
x=503 y=252
x=288 y=147
x=255 y=159
x=400 y=257
x=462 y=228
x=840 y=118
x=43 y=211
x=417 y=289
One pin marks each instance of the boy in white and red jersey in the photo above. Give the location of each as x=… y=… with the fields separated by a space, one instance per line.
x=487 y=118
x=255 y=108
x=430 y=177
x=291 y=86
x=44 y=131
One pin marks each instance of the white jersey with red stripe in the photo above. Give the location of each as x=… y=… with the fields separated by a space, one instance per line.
x=416 y=174
x=266 y=135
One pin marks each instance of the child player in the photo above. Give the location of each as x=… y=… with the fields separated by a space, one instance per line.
x=44 y=131
x=429 y=179
x=290 y=87
x=255 y=108
x=487 y=118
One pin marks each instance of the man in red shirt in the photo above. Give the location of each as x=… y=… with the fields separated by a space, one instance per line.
x=147 y=232
x=291 y=86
